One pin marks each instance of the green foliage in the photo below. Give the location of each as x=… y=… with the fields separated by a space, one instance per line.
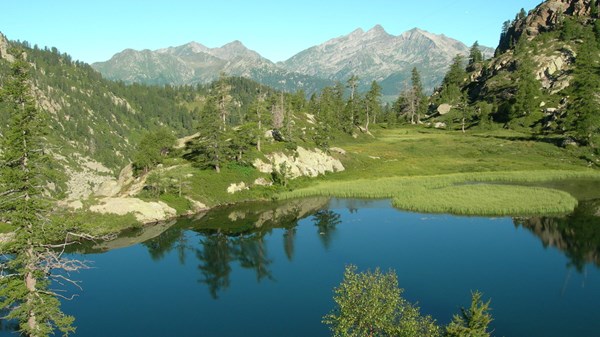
x=525 y=104
x=211 y=148
x=450 y=91
x=371 y=304
x=28 y=261
x=584 y=118
x=472 y=322
x=152 y=149
x=372 y=103
x=475 y=56
x=281 y=175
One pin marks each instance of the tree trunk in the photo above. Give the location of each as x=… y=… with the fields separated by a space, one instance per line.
x=30 y=284
x=367 y=125
x=259 y=134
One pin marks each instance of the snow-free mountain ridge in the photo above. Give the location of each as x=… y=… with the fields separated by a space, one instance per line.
x=372 y=55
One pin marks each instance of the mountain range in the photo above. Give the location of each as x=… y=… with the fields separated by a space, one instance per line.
x=372 y=55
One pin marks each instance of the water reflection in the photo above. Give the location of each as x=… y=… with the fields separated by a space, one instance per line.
x=577 y=235
x=326 y=221
x=238 y=235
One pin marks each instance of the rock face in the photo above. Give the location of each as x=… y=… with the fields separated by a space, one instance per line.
x=545 y=17
x=86 y=178
x=377 y=55
x=145 y=212
x=304 y=163
x=554 y=70
x=373 y=55
x=234 y=188
x=4 y=49
x=194 y=63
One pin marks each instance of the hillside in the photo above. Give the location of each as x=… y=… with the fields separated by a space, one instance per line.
x=374 y=55
x=544 y=77
x=97 y=124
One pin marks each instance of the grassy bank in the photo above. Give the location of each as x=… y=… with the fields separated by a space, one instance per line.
x=420 y=169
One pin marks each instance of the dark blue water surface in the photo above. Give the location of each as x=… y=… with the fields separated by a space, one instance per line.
x=269 y=270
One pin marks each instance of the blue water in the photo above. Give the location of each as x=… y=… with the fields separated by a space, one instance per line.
x=199 y=280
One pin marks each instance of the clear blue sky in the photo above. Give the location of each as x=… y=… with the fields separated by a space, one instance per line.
x=95 y=30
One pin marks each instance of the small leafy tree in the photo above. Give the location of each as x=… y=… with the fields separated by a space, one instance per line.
x=370 y=304
x=152 y=149
x=472 y=322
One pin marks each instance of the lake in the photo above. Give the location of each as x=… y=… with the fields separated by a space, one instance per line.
x=270 y=269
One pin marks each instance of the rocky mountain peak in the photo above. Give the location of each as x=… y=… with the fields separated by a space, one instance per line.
x=357 y=32
x=376 y=31
x=196 y=47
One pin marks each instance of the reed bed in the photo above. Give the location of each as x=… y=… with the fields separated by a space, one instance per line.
x=460 y=193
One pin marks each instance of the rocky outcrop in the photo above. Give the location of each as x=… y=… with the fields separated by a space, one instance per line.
x=4 y=49
x=553 y=70
x=303 y=162
x=126 y=185
x=544 y=18
x=234 y=188
x=145 y=212
x=85 y=175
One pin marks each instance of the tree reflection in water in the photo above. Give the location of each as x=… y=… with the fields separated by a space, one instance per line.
x=215 y=258
x=326 y=222
x=577 y=234
x=239 y=234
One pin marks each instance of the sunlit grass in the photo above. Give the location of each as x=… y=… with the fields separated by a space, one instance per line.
x=487 y=200
x=460 y=193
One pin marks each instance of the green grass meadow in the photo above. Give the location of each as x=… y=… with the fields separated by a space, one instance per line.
x=450 y=172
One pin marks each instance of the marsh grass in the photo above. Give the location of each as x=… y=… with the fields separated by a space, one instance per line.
x=491 y=200
x=460 y=193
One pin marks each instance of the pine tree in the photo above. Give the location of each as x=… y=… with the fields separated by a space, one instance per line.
x=584 y=112
x=526 y=100
x=29 y=261
x=372 y=103
x=451 y=89
x=210 y=149
x=475 y=56
x=472 y=322
x=418 y=96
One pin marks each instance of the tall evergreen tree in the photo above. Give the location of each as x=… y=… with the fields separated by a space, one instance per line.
x=372 y=103
x=210 y=149
x=584 y=117
x=29 y=262
x=526 y=100
x=475 y=56
x=452 y=83
x=418 y=96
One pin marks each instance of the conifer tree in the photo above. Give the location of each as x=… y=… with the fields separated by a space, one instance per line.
x=584 y=117
x=372 y=103
x=210 y=149
x=475 y=56
x=29 y=262
x=472 y=322
x=418 y=96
